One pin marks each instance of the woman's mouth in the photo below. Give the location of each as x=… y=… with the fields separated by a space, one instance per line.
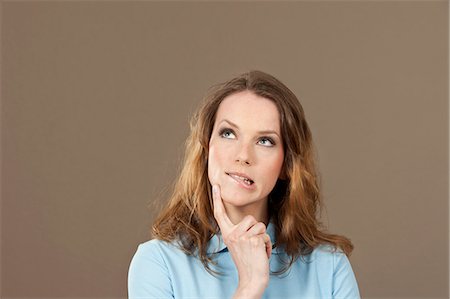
x=242 y=180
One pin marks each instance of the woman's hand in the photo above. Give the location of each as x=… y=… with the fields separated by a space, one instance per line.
x=249 y=246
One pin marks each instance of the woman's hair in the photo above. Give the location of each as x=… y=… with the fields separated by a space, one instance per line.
x=295 y=201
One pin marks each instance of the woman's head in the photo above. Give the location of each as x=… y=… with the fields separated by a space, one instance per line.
x=218 y=145
x=269 y=105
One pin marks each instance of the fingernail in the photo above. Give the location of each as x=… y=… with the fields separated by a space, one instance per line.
x=215 y=188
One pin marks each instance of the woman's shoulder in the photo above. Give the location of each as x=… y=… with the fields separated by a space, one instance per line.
x=149 y=274
x=333 y=264
x=327 y=258
x=152 y=244
x=327 y=250
x=157 y=247
x=326 y=254
x=154 y=253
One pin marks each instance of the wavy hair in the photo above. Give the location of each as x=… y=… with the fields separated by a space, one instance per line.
x=295 y=201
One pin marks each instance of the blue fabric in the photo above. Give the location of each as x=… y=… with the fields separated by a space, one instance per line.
x=162 y=270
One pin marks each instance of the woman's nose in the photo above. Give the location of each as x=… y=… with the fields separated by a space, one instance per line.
x=244 y=155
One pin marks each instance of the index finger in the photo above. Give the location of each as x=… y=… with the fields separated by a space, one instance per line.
x=220 y=214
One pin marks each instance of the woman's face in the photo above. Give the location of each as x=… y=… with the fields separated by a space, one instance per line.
x=245 y=150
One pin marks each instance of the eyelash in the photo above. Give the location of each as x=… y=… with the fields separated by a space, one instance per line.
x=226 y=130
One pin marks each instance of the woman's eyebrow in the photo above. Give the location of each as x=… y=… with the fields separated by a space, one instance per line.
x=259 y=132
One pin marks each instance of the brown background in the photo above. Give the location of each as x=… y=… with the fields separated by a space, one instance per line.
x=96 y=98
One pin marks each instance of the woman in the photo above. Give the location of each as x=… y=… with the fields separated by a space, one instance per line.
x=241 y=222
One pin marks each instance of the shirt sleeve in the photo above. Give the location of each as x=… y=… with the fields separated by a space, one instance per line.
x=344 y=281
x=148 y=276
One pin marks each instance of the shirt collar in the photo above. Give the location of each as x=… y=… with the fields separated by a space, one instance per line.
x=216 y=244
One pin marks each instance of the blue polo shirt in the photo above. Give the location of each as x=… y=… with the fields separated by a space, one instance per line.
x=160 y=269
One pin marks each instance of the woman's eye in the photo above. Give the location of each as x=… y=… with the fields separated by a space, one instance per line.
x=266 y=141
x=226 y=133
x=229 y=134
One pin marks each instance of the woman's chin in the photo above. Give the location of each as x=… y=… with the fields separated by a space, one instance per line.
x=236 y=200
x=233 y=202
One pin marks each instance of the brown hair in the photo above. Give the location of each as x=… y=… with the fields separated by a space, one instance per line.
x=294 y=202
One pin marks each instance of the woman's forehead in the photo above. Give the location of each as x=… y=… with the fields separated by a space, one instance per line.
x=249 y=110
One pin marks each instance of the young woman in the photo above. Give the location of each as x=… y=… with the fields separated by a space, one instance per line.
x=242 y=219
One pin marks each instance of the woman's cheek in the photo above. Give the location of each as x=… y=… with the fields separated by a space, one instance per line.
x=213 y=169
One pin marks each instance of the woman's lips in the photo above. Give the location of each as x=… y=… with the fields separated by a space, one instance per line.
x=240 y=182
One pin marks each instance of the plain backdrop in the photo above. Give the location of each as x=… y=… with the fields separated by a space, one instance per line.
x=96 y=99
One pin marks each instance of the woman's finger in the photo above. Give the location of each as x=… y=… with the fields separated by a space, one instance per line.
x=246 y=224
x=268 y=244
x=257 y=228
x=220 y=214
